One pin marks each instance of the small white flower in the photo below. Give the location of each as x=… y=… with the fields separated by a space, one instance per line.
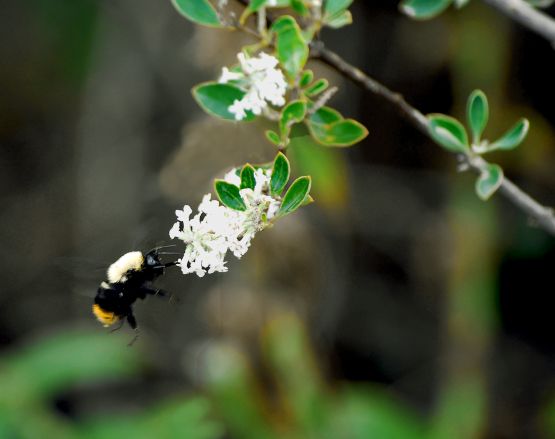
x=228 y=75
x=215 y=229
x=261 y=79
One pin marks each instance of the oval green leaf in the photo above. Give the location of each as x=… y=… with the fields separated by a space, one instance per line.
x=326 y=115
x=229 y=195
x=448 y=132
x=306 y=78
x=489 y=181
x=216 y=98
x=293 y=112
x=335 y=7
x=512 y=138
x=423 y=9
x=280 y=174
x=295 y=195
x=342 y=133
x=247 y=177
x=198 y=11
x=317 y=88
x=291 y=48
x=477 y=112
x=339 y=20
x=273 y=137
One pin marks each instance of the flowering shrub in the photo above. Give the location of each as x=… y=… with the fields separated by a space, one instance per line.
x=250 y=202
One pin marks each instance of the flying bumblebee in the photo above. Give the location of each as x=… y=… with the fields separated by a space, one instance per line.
x=129 y=278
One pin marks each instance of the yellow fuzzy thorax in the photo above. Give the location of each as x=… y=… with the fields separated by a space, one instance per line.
x=132 y=261
x=105 y=317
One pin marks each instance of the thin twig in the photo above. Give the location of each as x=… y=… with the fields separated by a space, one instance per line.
x=528 y=16
x=542 y=215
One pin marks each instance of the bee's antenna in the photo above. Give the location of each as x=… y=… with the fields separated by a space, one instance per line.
x=170 y=264
x=168 y=253
x=164 y=246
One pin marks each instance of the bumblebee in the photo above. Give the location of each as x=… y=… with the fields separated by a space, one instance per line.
x=128 y=279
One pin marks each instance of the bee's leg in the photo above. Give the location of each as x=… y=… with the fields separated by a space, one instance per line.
x=121 y=322
x=159 y=292
x=133 y=323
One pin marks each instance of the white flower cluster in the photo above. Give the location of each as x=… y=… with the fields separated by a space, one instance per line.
x=262 y=80
x=215 y=229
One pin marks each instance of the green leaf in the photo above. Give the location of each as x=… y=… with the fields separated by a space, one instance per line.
x=273 y=137
x=334 y=7
x=337 y=21
x=448 y=132
x=512 y=138
x=299 y=7
x=306 y=78
x=423 y=9
x=280 y=174
x=255 y=5
x=198 y=11
x=291 y=48
x=61 y=361
x=317 y=88
x=295 y=195
x=344 y=132
x=477 y=112
x=247 y=177
x=489 y=181
x=229 y=195
x=293 y=112
x=326 y=115
x=215 y=99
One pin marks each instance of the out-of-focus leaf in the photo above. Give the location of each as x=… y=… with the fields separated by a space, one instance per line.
x=370 y=413
x=326 y=166
x=59 y=361
x=340 y=20
x=477 y=111
x=334 y=7
x=512 y=138
x=423 y=9
x=286 y=349
x=233 y=390
x=448 y=132
x=198 y=11
x=489 y=181
x=181 y=418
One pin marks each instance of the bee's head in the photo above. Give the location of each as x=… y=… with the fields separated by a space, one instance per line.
x=152 y=259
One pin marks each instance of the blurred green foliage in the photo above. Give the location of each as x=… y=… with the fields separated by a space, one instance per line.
x=32 y=376
x=295 y=403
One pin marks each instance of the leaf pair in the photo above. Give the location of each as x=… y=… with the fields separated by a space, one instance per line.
x=297 y=194
x=451 y=134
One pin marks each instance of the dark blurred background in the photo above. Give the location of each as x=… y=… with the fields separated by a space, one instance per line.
x=396 y=306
